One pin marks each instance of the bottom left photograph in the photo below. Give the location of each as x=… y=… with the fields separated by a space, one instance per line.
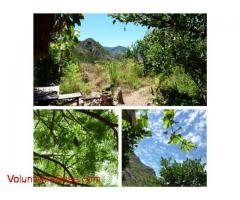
x=74 y=148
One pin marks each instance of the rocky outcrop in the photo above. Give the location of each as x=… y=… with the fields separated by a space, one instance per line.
x=138 y=174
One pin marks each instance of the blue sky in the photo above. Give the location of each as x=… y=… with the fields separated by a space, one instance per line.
x=100 y=28
x=194 y=128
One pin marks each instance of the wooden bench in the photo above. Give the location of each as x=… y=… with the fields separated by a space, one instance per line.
x=51 y=95
x=70 y=98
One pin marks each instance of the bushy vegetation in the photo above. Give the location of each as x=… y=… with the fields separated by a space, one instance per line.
x=175 y=48
x=177 y=84
x=73 y=80
x=190 y=173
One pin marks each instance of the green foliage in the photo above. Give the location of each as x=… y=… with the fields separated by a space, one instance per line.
x=187 y=145
x=73 y=80
x=190 y=173
x=125 y=72
x=99 y=66
x=134 y=128
x=178 y=56
x=168 y=119
x=130 y=74
x=139 y=69
x=195 y=23
x=69 y=20
x=175 y=138
x=174 y=41
x=178 y=85
x=169 y=122
x=112 y=68
x=75 y=144
x=45 y=75
x=63 y=38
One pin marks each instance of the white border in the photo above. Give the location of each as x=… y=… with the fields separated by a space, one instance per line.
x=223 y=96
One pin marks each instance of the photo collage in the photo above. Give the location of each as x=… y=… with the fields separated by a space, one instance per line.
x=120 y=99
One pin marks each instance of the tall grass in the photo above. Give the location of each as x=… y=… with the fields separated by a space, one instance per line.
x=113 y=71
x=73 y=80
x=127 y=73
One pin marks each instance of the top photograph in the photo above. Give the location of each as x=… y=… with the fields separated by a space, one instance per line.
x=120 y=59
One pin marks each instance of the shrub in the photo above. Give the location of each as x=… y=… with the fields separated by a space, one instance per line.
x=177 y=88
x=73 y=80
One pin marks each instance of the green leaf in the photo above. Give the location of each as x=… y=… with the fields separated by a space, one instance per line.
x=187 y=145
x=167 y=122
x=169 y=113
x=168 y=118
x=175 y=138
x=148 y=133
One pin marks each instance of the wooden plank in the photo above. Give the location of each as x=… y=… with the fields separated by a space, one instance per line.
x=46 y=93
x=47 y=89
x=70 y=96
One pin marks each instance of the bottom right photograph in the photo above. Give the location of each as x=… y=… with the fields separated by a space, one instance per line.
x=164 y=148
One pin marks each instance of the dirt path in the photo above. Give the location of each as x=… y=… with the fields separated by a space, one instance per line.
x=140 y=97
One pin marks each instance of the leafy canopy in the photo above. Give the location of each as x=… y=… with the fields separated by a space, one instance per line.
x=75 y=144
x=190 y=172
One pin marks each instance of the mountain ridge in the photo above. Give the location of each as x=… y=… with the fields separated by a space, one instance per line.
x=90 y=50
x=117 y=50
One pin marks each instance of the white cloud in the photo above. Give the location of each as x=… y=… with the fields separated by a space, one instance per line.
x=179 y=160
x=177 y=113
x=202 y=145
x=192 y=116
x=155 y=112
x=200 y=126
x=195 y=138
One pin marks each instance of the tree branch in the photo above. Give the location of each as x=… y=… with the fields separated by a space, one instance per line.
x=113 y=126
x=57 y=162
x=50 y=128
x=46 y=175
x=99 y=117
